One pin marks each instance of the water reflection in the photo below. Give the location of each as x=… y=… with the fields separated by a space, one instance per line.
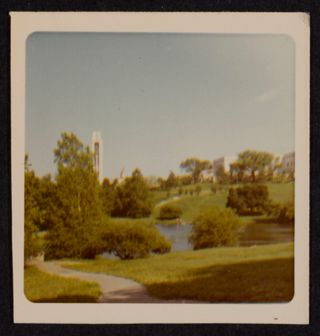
x=177 y=235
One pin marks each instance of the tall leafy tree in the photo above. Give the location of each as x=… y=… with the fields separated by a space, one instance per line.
x=108 y=191
x=133 y=197
x=47 y=201
x=253 y=162
x=195 y=167
x=78 y=193
x=32 y=214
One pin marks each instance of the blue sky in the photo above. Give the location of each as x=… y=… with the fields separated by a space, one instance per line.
x=159 y=98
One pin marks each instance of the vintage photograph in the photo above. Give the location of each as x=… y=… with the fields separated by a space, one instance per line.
x=161 y=167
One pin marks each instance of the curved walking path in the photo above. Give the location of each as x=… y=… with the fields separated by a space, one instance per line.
x=114 y=289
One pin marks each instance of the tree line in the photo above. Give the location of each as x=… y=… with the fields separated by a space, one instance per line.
x=254 y=166
x=75 y=209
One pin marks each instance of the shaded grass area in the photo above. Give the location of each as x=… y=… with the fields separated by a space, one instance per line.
x=240 y=274
x=42 y=287
x=252 y=281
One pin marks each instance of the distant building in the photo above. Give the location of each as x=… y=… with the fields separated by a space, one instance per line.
x=225 y=162
x=97 y=149
x=288 y=163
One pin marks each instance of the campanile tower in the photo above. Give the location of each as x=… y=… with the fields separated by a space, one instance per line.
x=96 y=147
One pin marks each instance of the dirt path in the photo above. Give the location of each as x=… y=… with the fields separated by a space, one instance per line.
x=114 y=289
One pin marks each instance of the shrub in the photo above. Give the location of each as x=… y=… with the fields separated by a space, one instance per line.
x=169 y=212
x=215 y=227
x=249 y=199
x=131 y=240
x=74 y=242
x=284 y=213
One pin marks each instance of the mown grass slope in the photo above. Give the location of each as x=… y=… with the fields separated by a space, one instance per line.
x=241 y=274
x=190 y=204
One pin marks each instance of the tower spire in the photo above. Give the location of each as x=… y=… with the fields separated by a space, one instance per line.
x=97 y=149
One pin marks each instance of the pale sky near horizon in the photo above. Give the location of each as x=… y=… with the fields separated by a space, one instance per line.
x=159 y=98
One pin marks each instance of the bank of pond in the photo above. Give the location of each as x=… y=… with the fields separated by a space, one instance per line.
x=256 y=232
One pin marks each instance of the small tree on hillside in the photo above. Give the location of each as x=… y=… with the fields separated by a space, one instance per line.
x=249 y=199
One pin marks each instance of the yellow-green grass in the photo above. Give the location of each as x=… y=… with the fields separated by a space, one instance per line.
x=240 y=274
x=281 y=192
x=190 y=205
x=42 y=287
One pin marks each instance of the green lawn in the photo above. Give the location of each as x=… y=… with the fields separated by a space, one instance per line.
x=241 y=274
x=43 y=287
x=281 y=192
x=190 y=205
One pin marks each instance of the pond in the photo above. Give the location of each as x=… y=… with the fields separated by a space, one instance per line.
x=258 y=233
x=177 y=235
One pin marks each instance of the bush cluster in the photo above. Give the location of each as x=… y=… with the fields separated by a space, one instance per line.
x=214 y=227
x=169 y=212
x=249 y=199
x=284 y=213
x=130 y=240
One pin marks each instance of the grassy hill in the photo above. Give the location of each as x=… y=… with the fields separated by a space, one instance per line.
x=190 y=204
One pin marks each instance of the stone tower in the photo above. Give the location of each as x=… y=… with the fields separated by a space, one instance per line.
x=97 y=150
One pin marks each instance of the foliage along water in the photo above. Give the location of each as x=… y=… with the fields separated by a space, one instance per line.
x=260 y=233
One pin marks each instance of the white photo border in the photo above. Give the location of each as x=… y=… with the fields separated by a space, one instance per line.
x=295 y=25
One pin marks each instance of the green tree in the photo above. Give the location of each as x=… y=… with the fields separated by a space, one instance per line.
x=283 y=213
x=252 y=162
x=171 y=181
x=237 y=171
x=108 y=191
x=169 y=211
x=249 y=199
x=32 y=214
x=131 y=240
x=214 y=227
x=76 y=230
x=133 y=198
x=48 y=203
x=195 y=167
x=222 y=176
